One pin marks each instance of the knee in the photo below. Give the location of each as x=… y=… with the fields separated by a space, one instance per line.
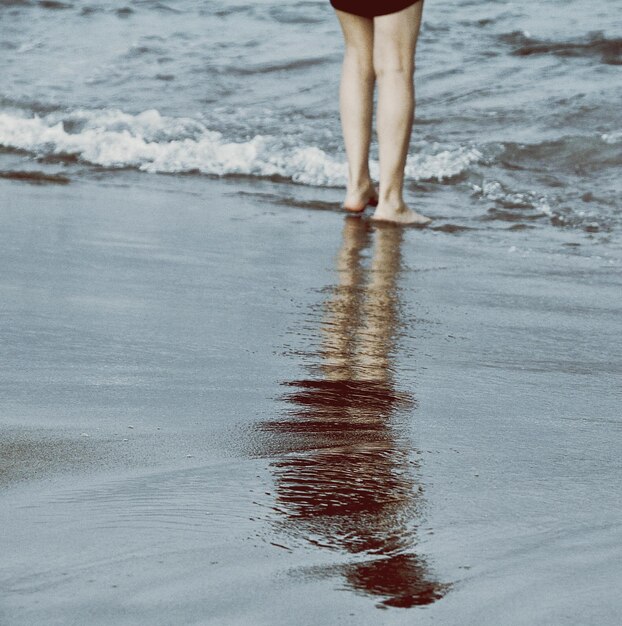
x=394 y=68
x=360 y=60
x=393 y=62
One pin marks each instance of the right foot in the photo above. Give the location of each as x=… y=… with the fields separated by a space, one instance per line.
x=357 y=199
x=400 y=215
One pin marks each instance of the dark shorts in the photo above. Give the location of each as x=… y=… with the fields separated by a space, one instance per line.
x=372 y=8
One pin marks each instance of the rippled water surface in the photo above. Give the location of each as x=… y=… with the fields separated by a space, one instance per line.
x=518 y=120
x=344 y=468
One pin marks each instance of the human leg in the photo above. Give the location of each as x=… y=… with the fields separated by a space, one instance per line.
x=395 y=42
x=356 y=98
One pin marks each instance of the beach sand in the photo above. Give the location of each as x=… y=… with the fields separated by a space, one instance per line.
x=220 y=408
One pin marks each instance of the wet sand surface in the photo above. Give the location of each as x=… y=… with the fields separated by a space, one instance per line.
x=220 y=409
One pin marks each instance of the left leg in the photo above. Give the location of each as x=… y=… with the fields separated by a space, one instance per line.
x=356 y=99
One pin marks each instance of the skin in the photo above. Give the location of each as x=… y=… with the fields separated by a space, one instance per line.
x=379 y=50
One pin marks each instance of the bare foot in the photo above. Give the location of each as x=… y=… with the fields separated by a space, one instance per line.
x=400 y=215
x=357 y=199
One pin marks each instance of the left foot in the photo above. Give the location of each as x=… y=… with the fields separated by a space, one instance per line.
x=357 y=199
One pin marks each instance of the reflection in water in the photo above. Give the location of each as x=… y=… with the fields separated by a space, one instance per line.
x=343 y=476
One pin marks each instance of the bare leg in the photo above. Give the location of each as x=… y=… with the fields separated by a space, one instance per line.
x=356 y=104
x=395 y=42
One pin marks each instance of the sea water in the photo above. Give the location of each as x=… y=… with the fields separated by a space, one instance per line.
x=518 y=120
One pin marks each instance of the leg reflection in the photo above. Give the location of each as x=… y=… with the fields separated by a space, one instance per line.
x=343 y=472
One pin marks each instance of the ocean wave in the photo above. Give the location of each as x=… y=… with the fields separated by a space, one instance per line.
x=35 y=177
x=299 y=13
x=54 y=4
x=526 y=207
x=157 y=6
x=153 y=143
x=43 y=4
x=594 y=44
x=570 y=153
x=272 y=67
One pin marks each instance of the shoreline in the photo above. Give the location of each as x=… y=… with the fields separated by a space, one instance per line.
x=180 y=307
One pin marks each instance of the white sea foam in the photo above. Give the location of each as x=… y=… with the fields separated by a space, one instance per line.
x=495 y=191
x=611 y=138
x=154 y=143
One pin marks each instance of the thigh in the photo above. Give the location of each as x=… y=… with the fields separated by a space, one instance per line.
x=395 y=36
x=358 y=32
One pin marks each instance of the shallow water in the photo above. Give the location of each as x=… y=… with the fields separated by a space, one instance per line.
x=518 y=103
x=317 y=412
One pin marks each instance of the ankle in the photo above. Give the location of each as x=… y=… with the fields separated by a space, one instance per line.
x=360 y=183
x=393 y=192
x=391 y=200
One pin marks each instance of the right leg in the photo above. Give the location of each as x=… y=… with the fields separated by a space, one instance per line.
x=395 y=41
x=356 y=98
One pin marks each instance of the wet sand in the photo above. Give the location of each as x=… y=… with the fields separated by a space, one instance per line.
x=221 y=409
